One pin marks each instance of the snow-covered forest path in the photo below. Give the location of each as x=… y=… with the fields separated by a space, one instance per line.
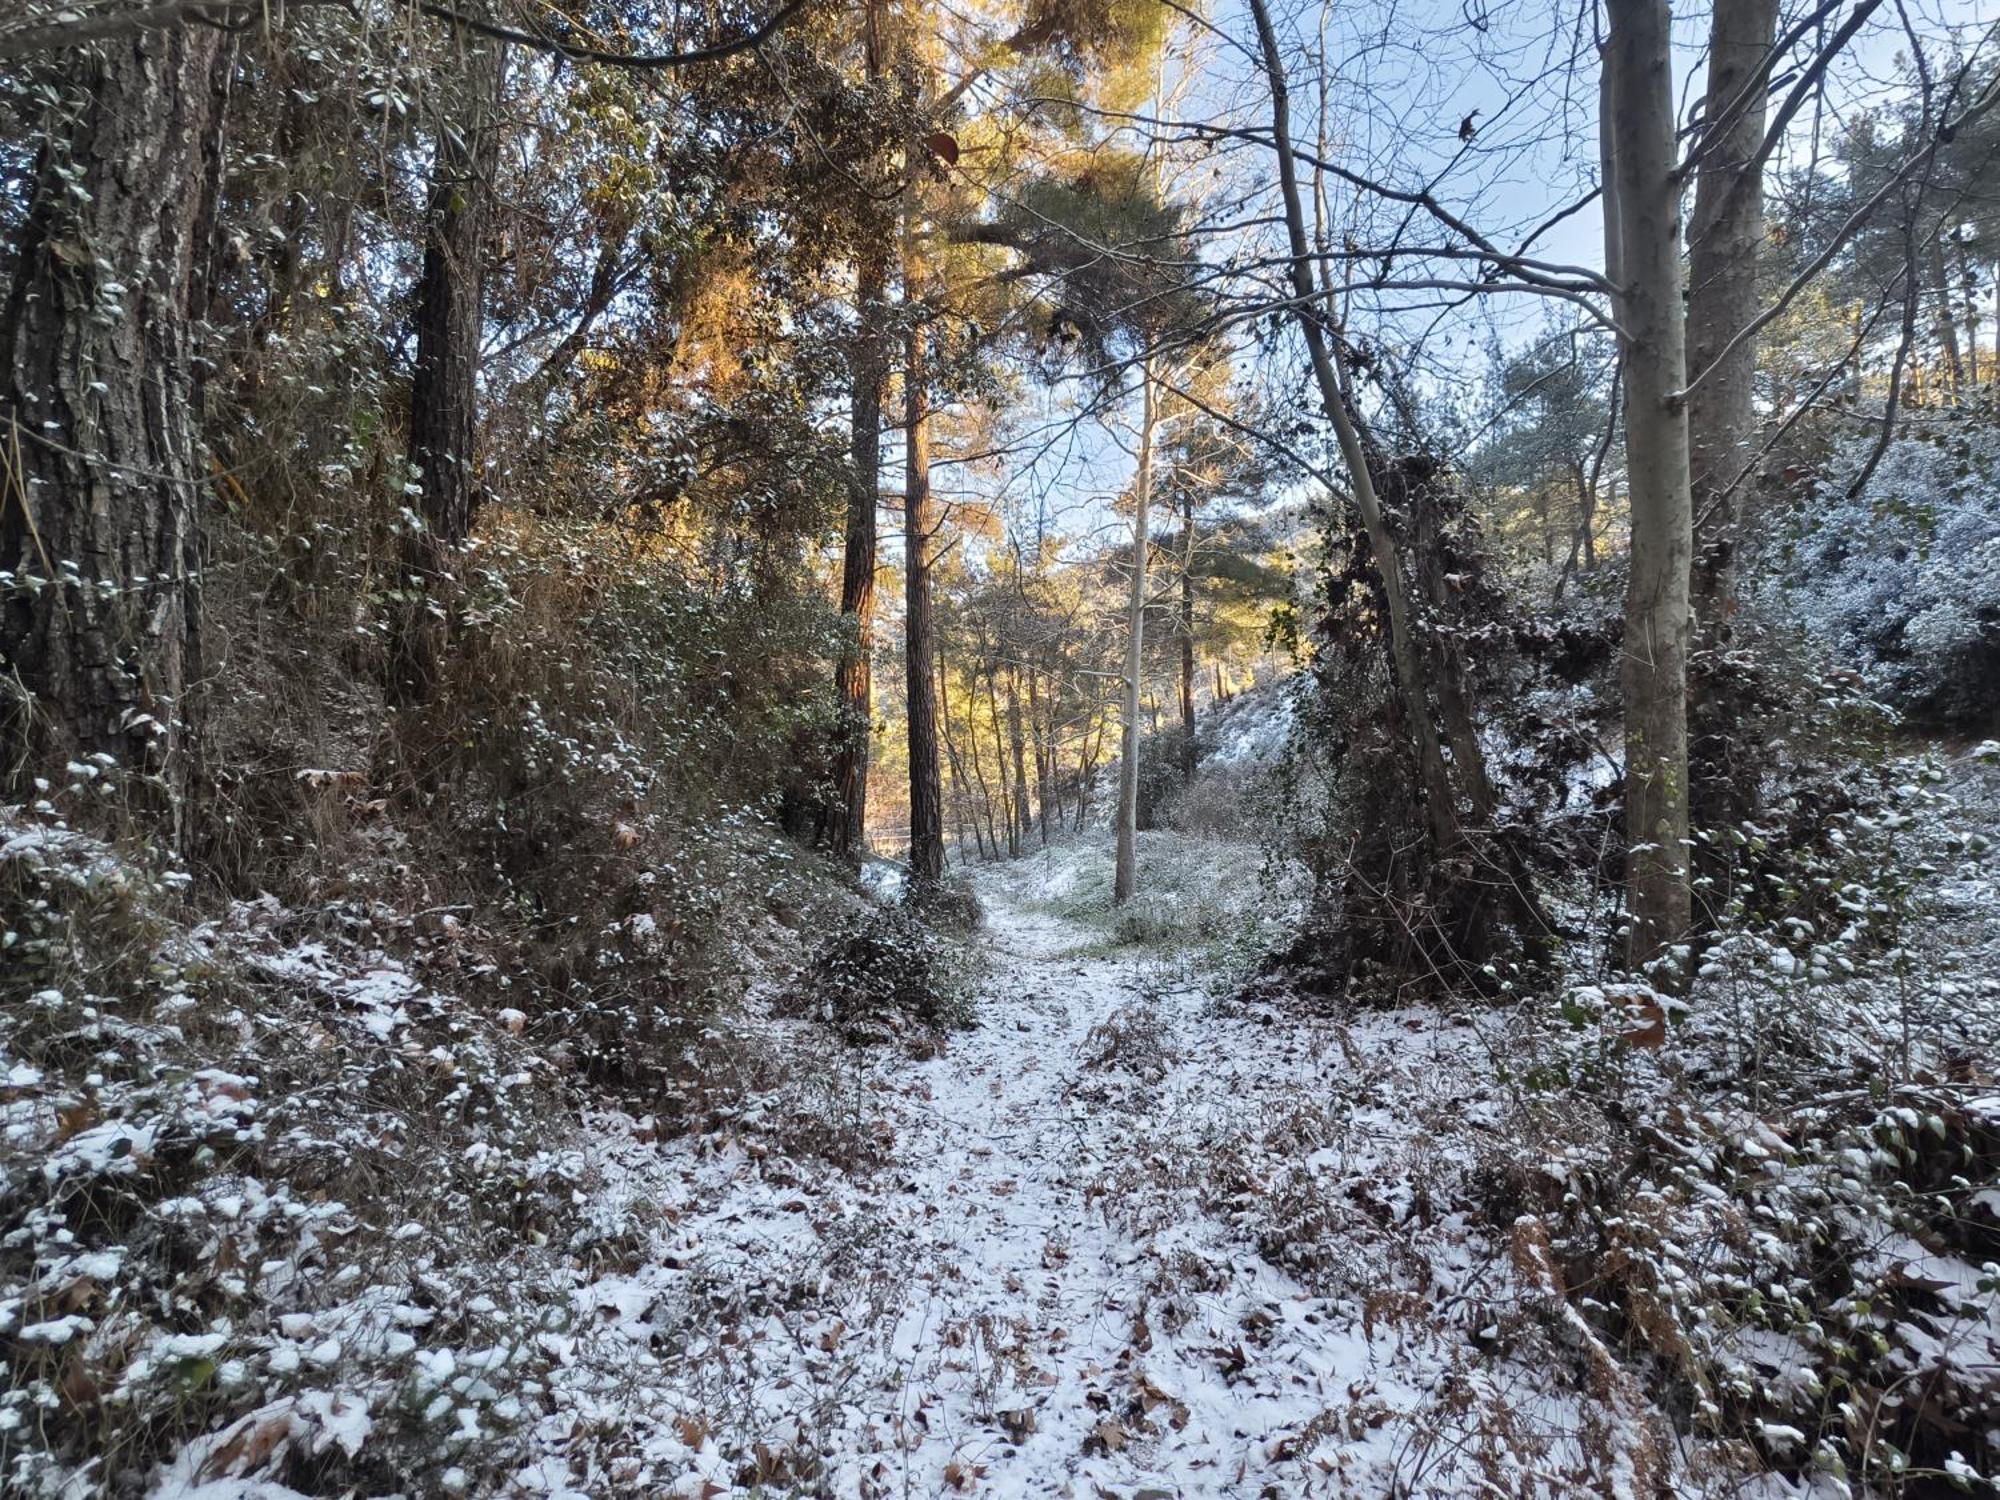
x=1096 y=1257
x=1031 y=1346
x=1053 y=1332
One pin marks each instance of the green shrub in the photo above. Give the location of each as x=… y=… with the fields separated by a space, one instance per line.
x=887 y=972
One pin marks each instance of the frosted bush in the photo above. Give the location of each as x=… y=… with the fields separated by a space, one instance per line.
x=1902 y=583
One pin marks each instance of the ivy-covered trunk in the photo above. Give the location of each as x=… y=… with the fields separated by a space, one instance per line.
x=1406 y=652
x=100 y=624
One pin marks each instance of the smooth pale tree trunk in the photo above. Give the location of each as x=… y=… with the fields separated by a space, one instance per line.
x=1125 y=883
x=1724 y=236
x=101 y=478
x=1187 y=641
x=853 y=678
x=919 y=521
x=444 y=383
x=1643 y=171
x=1440 y=805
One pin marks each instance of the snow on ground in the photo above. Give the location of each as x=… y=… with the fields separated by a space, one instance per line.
x=1138 y=1234
x=1250 y=729
x=1097 y=1260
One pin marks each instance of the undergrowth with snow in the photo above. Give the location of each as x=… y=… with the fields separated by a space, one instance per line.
x=295 y=1205
x=1901 y=581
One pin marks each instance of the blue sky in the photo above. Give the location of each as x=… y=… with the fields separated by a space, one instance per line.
x=1384 y=86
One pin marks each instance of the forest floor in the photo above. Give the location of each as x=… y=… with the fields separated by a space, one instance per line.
x=307 y=1218
x=1128 y=1238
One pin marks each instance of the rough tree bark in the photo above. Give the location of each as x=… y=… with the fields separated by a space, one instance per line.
x=868 y=364
x=853 y=681
x=444 y=384
x=1125 y=882
x=100 y=631
x=1646 y=190
x=1723 y=238
x=926 y=795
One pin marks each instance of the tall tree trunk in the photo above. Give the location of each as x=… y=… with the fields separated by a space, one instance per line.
x=1440 y=805
x=960 y=791
x=1018 y=743
x=1723 y=240
x=1643 y=171
x=1946 y=317
x=1448 y=667
x=1970 y=288
x=1044 y=737
x=853 y=679
x=1125 y=882
x=1187 y=640
x=868 y=364
x=101 y=477
x=919 y=521
x=1086 y=778
x=1007 y=810
x=444 y=384
x=985 y=807
x=1586 y=521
